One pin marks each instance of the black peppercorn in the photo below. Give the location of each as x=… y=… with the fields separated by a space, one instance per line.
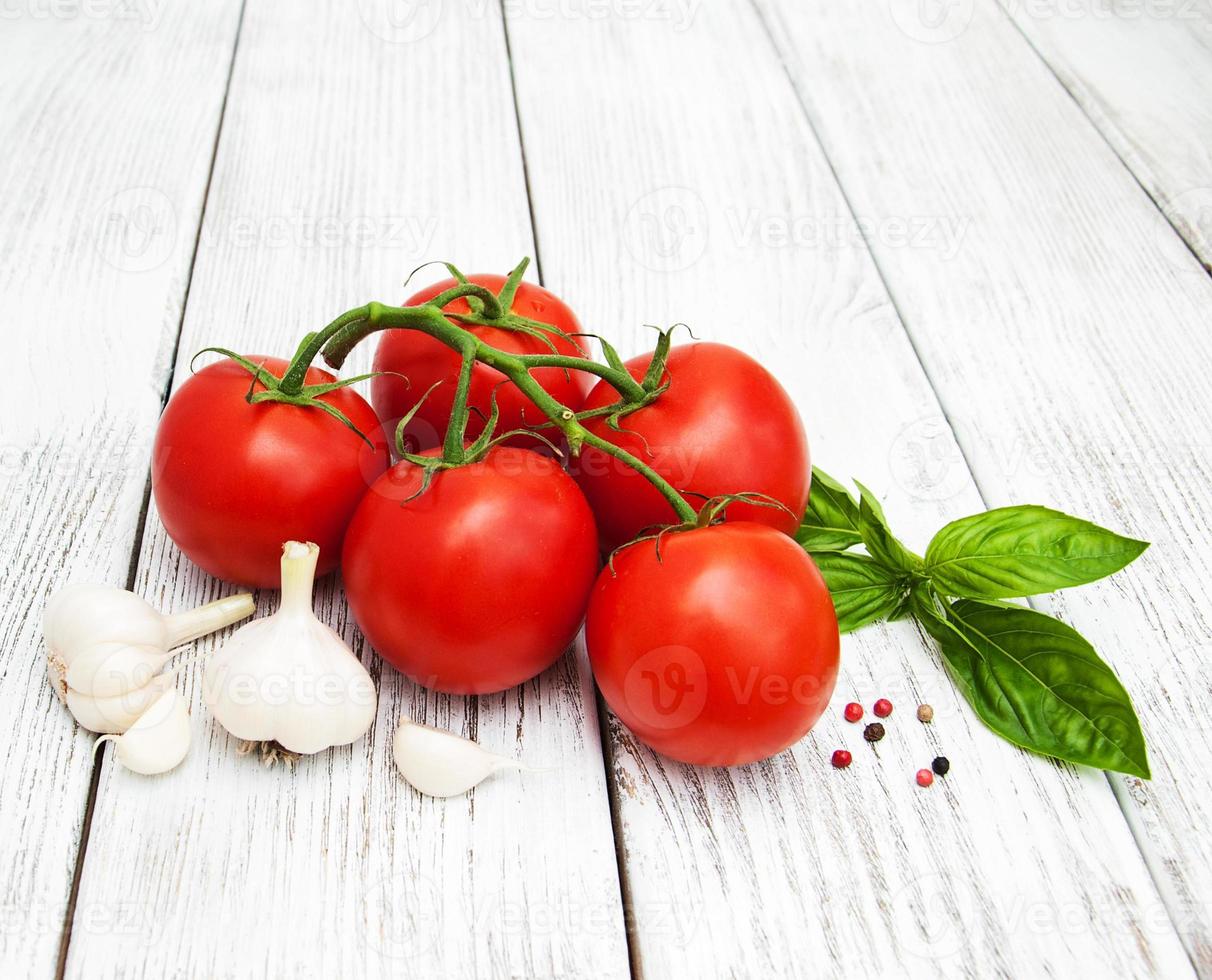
x=940 y=765
x=873 y=732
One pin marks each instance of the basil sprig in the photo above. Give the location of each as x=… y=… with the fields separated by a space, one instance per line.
x=1032 y=679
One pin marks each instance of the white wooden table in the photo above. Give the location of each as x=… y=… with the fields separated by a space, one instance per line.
x=972 y=240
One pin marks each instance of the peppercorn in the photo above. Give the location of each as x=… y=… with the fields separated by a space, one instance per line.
x=873 y=732
x=882 y=708
x=853 y=712
x=924 y=777
x=925 y=714
x=941 y=765
x=841 y=759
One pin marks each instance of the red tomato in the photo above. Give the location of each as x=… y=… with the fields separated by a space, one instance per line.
x=725 y=425
x=424 y=361
x=233 y=481
x=481 y=582
x=722 y=652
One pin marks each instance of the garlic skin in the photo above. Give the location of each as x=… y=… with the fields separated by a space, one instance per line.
x=158 y=740
x=81 y=618
x=442 y=764
x=288 y=678
x=114 y=715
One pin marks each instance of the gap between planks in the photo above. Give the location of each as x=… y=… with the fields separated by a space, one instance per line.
x=930 y=379
x=99 y=755
x=1067 y=95
x=1167 y=214
x=608 y=753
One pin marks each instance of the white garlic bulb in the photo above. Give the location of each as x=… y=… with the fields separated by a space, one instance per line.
x=440 y=763
x=288 y=678
x=158 y=740
x=119 y=640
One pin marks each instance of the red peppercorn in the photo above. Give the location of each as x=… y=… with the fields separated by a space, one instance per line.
x=853 y=712
x=882 y=708
x=841 y=759
x=924 y=777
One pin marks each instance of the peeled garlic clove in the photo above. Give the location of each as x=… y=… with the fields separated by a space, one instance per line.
x=158 y=740
x=114 y=715
x=439 y=763
x=106 y=670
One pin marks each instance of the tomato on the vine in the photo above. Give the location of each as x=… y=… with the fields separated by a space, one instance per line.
x=481 y=581
x=233 y=480
x=724 y=426
x=720 y=650
x=424 y=361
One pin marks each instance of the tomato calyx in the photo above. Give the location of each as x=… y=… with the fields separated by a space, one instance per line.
x=488 y=309
x=713 y=511
x=290 y=389
x=456 y=452
x=431 y=318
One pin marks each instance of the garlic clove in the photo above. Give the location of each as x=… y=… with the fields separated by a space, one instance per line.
x=114 y=715
x=110 y=669
x=158 y=740
x=79 y=615
x=440 y=763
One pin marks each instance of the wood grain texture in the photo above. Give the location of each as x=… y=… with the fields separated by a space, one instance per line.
x=1069 y=350
x=1143 y=75
x=682 y=182
x=403 y=153
x=107 y=129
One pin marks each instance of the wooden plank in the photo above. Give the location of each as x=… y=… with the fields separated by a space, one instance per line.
x=1143 y=74
x=340 y=868
x=1069 y=350
x=680 y=182
x=107 y=130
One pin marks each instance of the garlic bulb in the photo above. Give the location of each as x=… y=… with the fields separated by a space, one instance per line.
x=439 y=763
x=288 y=678
x=158 y=740
x=116 y=642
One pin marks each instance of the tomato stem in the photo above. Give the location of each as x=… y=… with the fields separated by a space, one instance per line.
x=349 y=329
x=456 y=429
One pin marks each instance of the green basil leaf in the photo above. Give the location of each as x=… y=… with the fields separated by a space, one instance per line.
x=863 y=590
x=879 y=540
x=1021 y=551
x=1039 y=684
x=831 y=521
